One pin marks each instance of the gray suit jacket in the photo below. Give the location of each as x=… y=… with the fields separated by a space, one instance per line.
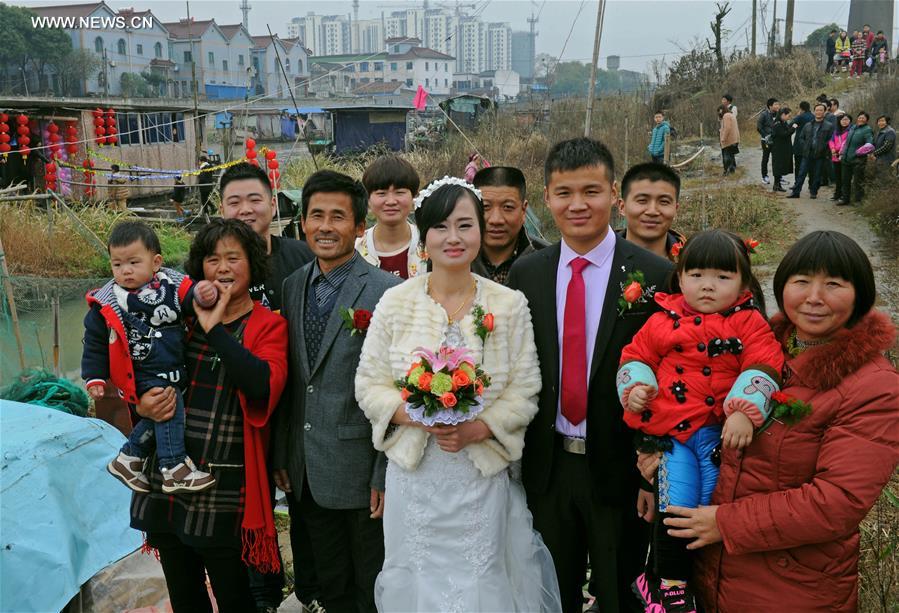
x=320 y=432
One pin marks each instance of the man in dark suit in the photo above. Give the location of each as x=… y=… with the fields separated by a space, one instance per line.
x=324 y=458
x=579 y=463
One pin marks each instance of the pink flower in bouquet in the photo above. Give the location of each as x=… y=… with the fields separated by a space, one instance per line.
x=448 y=400
x=446 y=357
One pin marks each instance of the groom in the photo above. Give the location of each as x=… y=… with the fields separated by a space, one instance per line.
x=323 y=453
x=578 y=467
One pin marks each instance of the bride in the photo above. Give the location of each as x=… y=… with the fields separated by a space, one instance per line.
x=457 y=531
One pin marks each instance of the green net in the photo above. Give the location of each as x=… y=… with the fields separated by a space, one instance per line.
x=37 y=386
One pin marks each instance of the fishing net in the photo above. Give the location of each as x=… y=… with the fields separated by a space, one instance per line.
x=37 y=386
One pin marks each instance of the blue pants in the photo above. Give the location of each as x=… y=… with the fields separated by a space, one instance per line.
x=687 y=474
x=812 y=169
x=169 y=437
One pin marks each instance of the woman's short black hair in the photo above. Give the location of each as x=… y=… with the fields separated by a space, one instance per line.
x=885 y=117
x=390 y=170
x=208 y=238
x=722 y=250
x=331 y=182
x=835 y=255
x=866 y=114
x=437 y=207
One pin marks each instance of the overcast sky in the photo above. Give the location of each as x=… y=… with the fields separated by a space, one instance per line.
x=638 y=30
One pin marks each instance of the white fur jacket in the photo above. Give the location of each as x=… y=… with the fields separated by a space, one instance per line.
x=407 y=318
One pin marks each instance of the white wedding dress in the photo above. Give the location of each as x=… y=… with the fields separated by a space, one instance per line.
x=459 y=542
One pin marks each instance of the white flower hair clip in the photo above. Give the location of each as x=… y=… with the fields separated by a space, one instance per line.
x=446 y=180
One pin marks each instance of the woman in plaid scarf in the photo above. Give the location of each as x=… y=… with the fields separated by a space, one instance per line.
x=236 y=358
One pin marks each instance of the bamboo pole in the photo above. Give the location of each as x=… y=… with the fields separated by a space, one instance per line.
x=7 y=285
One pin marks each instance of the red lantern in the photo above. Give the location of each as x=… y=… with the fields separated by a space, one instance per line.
x=50 y=167
x=100 y=130
x=22 y=130
x=4 y=137
x=97 y=112
x=273 y=164
x=4 y=117
x=110 y=121
x=52 y=128
x=72 y=149
x=251 y=144
x=251 y=154
x=112 y=140
x=54 y=137
x=24 y=141
x=270 y=155
x=22 y=120
x=5 y=148
x=24 y=151
x=254 y=161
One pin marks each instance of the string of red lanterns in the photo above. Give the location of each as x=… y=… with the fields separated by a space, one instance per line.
x=4 y=135
x=274 y=175
x=24 y=132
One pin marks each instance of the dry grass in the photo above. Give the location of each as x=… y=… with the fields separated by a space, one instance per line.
x=879 y=562
x=50 y=245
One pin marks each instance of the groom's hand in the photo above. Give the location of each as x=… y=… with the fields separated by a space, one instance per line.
x=376 y=504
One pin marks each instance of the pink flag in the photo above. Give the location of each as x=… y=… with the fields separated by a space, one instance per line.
x=421 y=99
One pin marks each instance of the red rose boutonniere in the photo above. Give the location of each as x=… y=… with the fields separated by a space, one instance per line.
x=355 y=320
x=633 y=291
x=751 y=244
x=786 y=409
x=675 y=250
x=483 y=322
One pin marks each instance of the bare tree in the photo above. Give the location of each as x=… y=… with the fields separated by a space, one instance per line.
x=719 y=32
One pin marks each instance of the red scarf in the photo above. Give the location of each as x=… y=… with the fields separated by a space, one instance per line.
x=258 y=537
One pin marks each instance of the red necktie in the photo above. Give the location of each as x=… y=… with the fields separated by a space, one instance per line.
x=574 y=347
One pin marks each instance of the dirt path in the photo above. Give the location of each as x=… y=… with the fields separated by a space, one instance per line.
x=823 y=214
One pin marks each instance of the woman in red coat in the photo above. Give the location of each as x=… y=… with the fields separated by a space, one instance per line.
x=782 y=530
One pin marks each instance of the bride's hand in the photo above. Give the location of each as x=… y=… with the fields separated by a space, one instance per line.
x=401 y=418
x=453 y=439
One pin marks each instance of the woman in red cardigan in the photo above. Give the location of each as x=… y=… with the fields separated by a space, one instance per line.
x=782 y=530
x=236 y=359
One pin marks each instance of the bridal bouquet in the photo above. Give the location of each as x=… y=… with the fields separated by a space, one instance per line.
x=443 y=387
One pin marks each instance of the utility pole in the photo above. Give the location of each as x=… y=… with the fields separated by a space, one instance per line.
x=788 y=28
x=105 y=74
x=198 y=126
x=591 y=94
x=754 y=19
x=772 y=44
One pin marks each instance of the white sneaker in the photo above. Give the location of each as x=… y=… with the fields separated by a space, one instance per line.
x=185 y=478
x=765 y=180
x=130 y=471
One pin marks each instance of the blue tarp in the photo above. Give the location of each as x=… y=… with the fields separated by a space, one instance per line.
x=63 y=518
x=358 y=130
x=288 y=128
x=226 y=92
x=223 y=119
x=303 y=110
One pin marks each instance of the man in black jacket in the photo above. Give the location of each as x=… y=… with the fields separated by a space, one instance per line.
x=578 y=467
x=815 y=151
x=830 y=50
x=765 y=127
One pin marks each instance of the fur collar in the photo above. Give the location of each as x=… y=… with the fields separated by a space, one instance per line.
x=825 y=366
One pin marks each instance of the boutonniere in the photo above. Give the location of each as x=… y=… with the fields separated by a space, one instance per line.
x=786 y=409
x=355 y=320
x=483 y=322
x=676 y=249
x=633 y=291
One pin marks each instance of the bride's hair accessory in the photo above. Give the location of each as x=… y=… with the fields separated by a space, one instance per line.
x=446 y=180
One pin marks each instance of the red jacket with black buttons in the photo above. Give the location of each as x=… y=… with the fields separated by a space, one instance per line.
x=696 y=358
x=791 y=505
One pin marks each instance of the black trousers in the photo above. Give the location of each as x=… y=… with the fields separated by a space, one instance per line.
x=185 y=570
x=766 y=154
x=575 y=523
x=853 y=172
x=838 y=180
x=305 y=580
x=268 y=588
x=829 y=68
x=349 y=552
x=729 y=160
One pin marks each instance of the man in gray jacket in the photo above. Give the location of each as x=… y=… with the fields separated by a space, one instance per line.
x=765 y=126
x=323 y=453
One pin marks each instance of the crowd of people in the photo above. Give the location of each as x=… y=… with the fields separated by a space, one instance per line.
x=863 y=53
x=640 y=414
x=824 y=144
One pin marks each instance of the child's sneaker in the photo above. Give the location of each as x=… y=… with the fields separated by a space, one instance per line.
x=130 y=471
x=676 y=599
x=185 y=478
x=646 y=587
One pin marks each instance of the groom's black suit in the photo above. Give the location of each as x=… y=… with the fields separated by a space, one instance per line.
x=587 y=502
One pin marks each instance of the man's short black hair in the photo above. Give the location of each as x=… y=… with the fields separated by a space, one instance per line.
x=126 y=232
x=241 y=172
x=833 y=31
x=577 y=153
x=502 y=176
x=817 y=104
x=659 y=112
x=330 y=182
x=770 y=102
x=880 y=31
x=208 y=238
x=805 y=106
x=390 y=170
x=114 y=167
x=651 y=171
x=887 y=117
x=728 y=97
